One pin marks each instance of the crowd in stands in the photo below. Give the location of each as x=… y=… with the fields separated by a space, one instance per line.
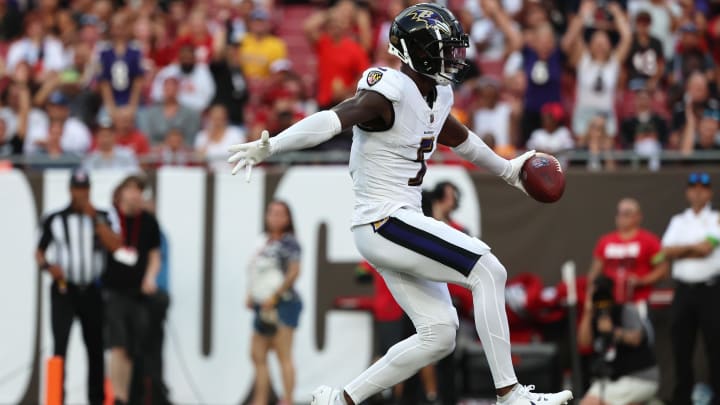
x=158 y=82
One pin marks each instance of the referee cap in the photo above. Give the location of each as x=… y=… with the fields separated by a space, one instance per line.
x=79 y=178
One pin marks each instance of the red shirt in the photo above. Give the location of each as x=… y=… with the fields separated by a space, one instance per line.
x=136 y=140
x=624 y=257
x=384 y=306
x=344 y=60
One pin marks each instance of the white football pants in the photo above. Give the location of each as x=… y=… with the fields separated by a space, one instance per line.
x=417 y=256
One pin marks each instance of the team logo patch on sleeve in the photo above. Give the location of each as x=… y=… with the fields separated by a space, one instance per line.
x=374 y=77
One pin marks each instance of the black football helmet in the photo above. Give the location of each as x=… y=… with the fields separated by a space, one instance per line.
x=429 y=39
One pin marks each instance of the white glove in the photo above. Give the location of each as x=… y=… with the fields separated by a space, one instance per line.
x=512 y=174
x=249 y=154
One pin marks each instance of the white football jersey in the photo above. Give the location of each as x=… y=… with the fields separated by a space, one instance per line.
x=387 y=167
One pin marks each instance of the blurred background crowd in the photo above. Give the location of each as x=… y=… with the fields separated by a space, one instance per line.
x=173 y=82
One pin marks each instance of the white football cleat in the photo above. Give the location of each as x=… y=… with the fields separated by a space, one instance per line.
x=523 y=395
x=325 y=395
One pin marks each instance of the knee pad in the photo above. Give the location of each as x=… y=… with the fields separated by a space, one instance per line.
x=438 y=339
x=488 y=269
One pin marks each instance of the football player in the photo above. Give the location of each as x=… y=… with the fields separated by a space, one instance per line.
x=398 y=117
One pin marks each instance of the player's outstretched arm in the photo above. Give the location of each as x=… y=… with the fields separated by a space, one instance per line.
x=364 y=107
x=472 y=148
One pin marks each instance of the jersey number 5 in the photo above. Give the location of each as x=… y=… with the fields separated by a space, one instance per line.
x=426 y=145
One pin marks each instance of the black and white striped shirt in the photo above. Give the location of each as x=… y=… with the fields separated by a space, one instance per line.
x=68 y=238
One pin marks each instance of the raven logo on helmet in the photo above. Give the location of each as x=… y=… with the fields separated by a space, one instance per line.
x=431 y=19
x=429 y=39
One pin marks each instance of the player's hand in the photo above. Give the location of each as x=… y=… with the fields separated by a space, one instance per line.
x=249 y=303
x=513 y=175
x=249 y=154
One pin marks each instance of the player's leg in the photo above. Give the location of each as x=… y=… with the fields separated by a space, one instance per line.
x=428 y=305
x=414 y=244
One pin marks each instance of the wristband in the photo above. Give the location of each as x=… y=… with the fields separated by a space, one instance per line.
x=658 y=258
x=45 y=266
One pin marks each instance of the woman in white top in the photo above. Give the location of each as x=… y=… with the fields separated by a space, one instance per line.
x=598 y=68
x=212 y=143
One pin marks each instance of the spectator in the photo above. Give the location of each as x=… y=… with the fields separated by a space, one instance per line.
x=75 y=136
x=598 y=69
x=213 y=141
x=663 y=16
x=690 y=14
x=11 y=144
x=90 y=31
x=76 y=83
x=691 y=242
x=121 y=71
x=108 y=154
x=76 y=268
x=197 y=34
x=697 y=99
x=645 y=131
x=273 y=271
x=553 y=137
x=495 y=121
x=646 y=60
x=127 y=134
x=538 y=66
x=701 y=134
x=10 y=22
x=259 y=48
x=444 y=200
x=341 y=59
x=12 y=134
x=629 y=256
x=494 y=37
x=131 y=277
x=16 y=94
x=232 y=87
x=51 y=154
x=624 y=365
x=42 y=52
x=691 y=56
x=173 y=151
x=599 y=144
x=156 y=120
x=197 y=87
x=644 y=126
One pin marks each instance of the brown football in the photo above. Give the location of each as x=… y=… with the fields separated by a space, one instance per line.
x=543 y=178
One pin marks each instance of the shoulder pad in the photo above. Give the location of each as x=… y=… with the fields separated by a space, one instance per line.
x=385 y=81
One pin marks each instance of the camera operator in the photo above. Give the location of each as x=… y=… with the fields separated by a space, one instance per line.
x=624 y=367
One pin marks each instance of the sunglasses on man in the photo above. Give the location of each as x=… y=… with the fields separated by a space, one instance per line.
x=702 y=179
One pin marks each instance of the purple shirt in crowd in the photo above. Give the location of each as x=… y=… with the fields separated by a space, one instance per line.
x=120 y=71
x=543 y=78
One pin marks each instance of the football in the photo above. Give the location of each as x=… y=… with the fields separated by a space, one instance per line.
x=543 y=178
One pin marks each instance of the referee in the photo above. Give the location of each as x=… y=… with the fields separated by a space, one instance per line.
x=691 y=242
x=73 y=248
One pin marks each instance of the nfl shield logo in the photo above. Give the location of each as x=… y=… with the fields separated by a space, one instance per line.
x=374 y=77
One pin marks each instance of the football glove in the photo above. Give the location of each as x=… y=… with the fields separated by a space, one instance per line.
x=512 y=175
x=249 y=154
